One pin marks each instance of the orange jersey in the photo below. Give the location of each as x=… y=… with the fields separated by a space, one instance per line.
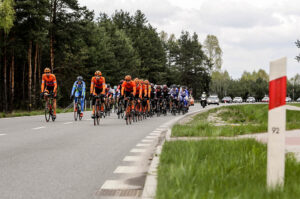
x=129 y=87
x=139 y=90
x=146 y=90
x=100 y=83
x=48 y=80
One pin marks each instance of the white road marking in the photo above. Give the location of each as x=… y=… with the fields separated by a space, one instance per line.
x=128 y=169
x=118 y=184
x=160 y=129
x=156 y=131
x=2 y=134
x=144 y=140
x=155 y=134
x=89 y=119
x=151 y=137
x=37 y=128
x=143 y=144
x=68 y=123
x=138 y=150
x=132 y=158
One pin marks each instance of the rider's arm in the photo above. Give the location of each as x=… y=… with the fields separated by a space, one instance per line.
x=83 y=89
x=134 y=88
x=123 y=88
x=55 y=84
x=92 y=86
x=43 y=84
x=104 y=86
x=73 y=88
x=149 y=91
x=141 y=91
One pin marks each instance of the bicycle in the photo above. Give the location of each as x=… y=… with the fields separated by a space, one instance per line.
x=121 y=108
x=128 y=108
x=98 y=113
x=77 y=110
x=49 y=106
x=164 y=106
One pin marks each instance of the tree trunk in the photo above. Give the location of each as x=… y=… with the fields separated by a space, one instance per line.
x=34 y=74
x=23 y=83
x=39 y=65
x=12 y=81
x=52 y=39
x=5 y=80
x=29 y=75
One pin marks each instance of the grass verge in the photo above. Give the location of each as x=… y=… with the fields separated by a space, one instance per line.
x=220 y=169
x=237 y=120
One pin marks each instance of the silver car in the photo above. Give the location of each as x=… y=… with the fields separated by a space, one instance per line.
x=250 y=100
x=237 y=100
x=213 y=100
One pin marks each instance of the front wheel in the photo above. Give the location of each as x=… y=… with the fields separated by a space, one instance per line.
x=47 y=115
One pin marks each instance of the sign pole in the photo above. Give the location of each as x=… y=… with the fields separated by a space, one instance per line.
x=276 y=123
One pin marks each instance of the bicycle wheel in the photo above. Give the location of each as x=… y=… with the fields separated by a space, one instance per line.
x=158 y=109
x=98 y=118
x=75 y=113
x=47 y=114
x=52 y=116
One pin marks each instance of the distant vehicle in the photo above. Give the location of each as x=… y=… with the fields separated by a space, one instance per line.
x=265 y=99
x=192 y=101
x=237 y=100
x=213 y=99
x=250 y=100
x=298 y=100
x=227 y=99
x=288 y=99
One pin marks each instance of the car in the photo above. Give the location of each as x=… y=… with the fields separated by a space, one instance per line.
x=227 y=99
x=298 y=100
x=265 y=99
x=250 y=100
x=288 y=99
x=213 y=99
x=237 y=100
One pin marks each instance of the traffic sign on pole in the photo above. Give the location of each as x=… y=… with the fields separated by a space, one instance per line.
x=276 y=123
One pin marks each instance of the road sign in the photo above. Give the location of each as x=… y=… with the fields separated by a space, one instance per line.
x=276 y=123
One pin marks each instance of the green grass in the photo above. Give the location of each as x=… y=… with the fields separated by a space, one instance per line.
x=239 y=120
x=20 y=113
x=220 y=169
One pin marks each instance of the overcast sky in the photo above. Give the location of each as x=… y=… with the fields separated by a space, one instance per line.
x=251 y=33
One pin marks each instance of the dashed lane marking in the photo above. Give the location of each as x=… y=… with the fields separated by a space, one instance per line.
x=143 y=145
x=2 y=134
x=132 y=158
x=151 y=137
x=138 y=150
x=68 y=123
x=144 y=140
x=118 y=184
x=37 y=128
x=128 y=169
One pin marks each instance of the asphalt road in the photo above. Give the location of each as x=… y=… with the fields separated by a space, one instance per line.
x=64 y=159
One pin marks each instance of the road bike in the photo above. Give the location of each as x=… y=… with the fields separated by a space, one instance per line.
x=49 y=106
x=129 y=111
x=77 y=109
x=98 y=112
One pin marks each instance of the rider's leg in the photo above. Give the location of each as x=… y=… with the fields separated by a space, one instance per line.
x=82 y=104
x=54 y=106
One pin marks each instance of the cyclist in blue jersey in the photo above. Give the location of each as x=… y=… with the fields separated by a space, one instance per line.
x=79 y=91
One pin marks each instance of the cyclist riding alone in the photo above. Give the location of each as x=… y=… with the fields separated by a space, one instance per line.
x=97 y=88
x=128 y=89
x=79 y=91
x=49 y=85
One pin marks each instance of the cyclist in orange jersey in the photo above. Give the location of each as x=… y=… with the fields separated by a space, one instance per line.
x=147 y=93
x=97 y=88
x=128 y=89
x=49 y=85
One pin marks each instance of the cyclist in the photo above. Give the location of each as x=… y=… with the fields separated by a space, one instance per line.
x=158 y=95
x=49 y=85
x=174 y=96
x=79 y=91
x=97 y=88
x=128 y=90
x=109 y=93
x=152 y=96
x=165 y=93
x=184 y=96
x=118 y=93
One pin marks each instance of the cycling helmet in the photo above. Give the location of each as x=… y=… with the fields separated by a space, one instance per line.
x=108 y=85
x=158 y=87
x=79 y=78
x=165 y=87
x=127 y=77
x=146 y=82
x=47 y=70
x=136 y=80
x=98 y=73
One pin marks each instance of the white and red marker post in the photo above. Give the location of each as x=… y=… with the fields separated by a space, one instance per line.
x=276 y=123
